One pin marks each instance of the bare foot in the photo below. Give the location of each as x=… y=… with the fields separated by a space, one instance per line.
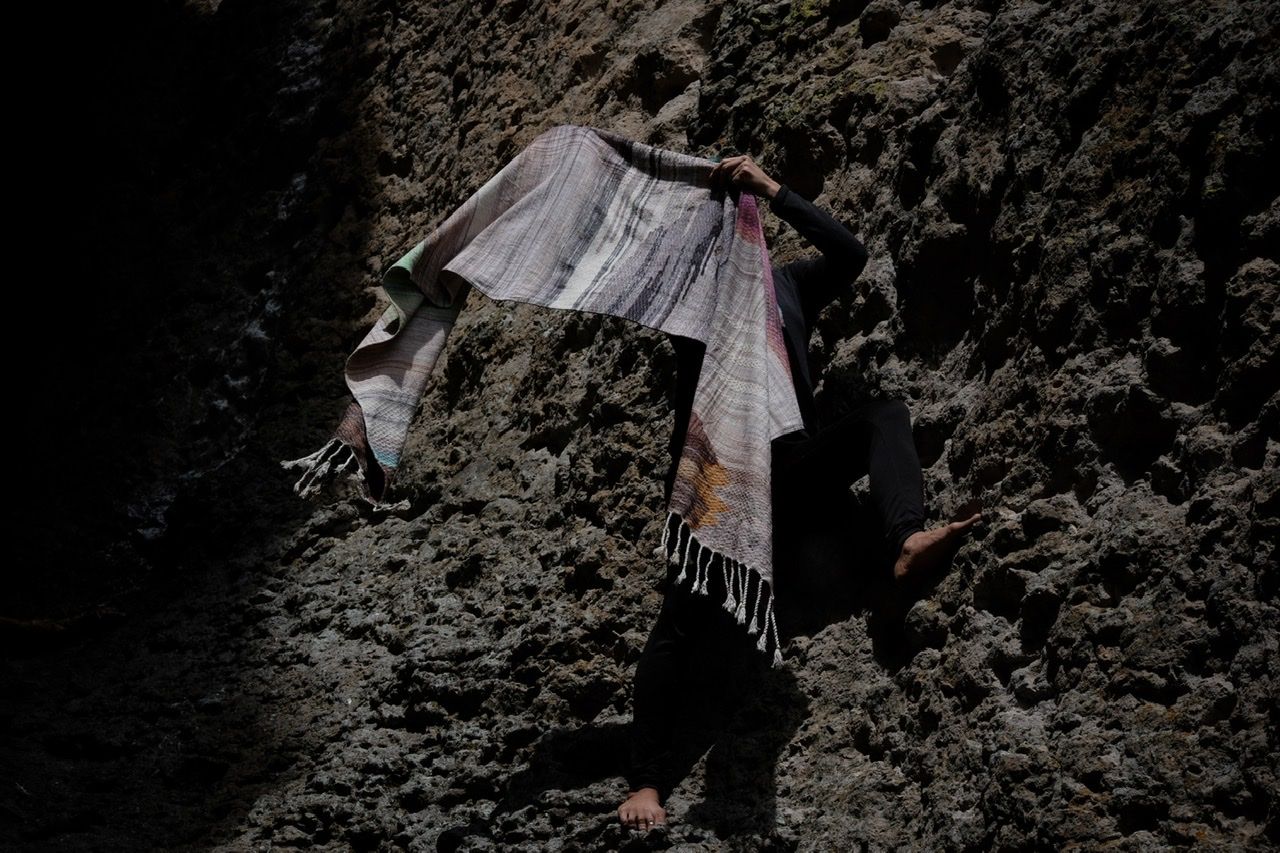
x=925 y=549
x=642 y=811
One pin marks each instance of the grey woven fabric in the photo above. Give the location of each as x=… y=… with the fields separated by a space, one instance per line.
x=584 y=219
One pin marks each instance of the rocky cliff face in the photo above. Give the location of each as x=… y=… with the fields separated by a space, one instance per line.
x=1073 y=225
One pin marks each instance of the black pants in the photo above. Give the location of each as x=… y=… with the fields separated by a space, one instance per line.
x=875 y=438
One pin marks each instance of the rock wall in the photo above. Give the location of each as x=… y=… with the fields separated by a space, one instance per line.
x=1073 y=283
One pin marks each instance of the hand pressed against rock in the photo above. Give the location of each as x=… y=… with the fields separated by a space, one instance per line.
x=642 y=811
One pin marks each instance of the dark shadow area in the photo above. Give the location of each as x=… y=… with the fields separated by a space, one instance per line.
x=562 y=760
x=741 y=715
x=153 y=167
x=936 y=293
x=830 y=562
x=169 y=138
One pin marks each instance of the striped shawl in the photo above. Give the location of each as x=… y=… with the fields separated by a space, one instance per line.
x=586 y=220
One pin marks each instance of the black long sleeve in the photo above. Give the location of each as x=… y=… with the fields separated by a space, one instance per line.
x=819 y=279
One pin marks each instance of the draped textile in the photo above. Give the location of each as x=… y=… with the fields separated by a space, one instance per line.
x=585 y=219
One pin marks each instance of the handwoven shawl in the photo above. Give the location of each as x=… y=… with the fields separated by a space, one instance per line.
x=587 y=220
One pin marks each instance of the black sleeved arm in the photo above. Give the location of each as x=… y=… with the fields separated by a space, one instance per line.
x=819 y=279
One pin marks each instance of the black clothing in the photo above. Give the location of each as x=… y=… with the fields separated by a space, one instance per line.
x=803 y=289
x=660 y=690
x=875 y=438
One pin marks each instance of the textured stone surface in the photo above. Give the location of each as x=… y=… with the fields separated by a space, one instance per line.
x=1072 y=219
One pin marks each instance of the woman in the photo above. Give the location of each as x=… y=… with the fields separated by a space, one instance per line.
x=875 y=437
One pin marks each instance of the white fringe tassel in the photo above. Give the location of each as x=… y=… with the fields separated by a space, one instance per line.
x=328 y=461
x=730 y=575
x=737 y=577
x=741 y=614
x=684 y=565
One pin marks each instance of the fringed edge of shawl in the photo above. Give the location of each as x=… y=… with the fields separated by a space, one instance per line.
x=737 y=577
x=328 y=464
x=335 y=457
x=347 y=450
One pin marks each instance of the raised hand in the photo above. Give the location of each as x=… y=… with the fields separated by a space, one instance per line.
x=743 y=173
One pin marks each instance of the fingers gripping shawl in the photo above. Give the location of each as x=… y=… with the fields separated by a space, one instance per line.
x=586 y=220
